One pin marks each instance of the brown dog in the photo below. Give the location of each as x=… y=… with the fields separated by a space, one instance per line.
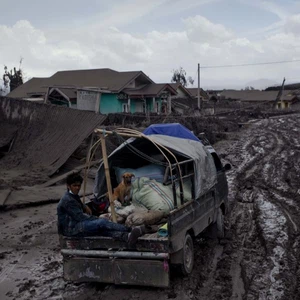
x=122 y=191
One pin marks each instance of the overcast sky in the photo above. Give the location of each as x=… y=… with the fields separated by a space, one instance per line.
x=156 y=37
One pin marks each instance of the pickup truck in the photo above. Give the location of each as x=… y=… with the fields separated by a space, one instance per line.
x=196 y=179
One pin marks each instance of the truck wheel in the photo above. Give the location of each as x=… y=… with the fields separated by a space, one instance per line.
x=220 y=224
x=187 y=255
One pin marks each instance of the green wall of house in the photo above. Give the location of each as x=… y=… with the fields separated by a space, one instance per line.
x=109 y=103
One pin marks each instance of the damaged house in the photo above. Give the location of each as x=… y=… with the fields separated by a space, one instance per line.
x=100 y=90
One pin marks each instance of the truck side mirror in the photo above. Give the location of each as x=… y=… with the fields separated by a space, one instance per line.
x=227 y=167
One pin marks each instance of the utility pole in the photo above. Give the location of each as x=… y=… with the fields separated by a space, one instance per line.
x=279 y=95
x=199 y=96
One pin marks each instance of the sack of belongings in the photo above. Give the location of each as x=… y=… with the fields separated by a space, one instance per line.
x=149 y=217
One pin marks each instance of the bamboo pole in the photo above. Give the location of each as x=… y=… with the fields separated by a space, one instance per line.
x=86 y=169
x=119 y=133
x=107 y=175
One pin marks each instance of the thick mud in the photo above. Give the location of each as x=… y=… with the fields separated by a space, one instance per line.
x=258 y=259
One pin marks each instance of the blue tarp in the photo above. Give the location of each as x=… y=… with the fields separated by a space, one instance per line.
x=171 y=129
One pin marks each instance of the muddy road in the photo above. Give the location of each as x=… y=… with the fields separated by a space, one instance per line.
x=258 y=259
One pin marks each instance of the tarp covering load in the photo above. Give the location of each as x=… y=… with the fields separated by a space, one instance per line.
x=46 y=135
x=133 y=153
x=171 y=129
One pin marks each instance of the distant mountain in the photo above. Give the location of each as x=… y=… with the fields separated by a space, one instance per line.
x=261 y=84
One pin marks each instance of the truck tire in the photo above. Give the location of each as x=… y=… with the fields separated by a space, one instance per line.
x=220 y=224
x=187 y=255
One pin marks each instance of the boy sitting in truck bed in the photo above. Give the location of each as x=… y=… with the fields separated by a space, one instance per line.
x=74 y=220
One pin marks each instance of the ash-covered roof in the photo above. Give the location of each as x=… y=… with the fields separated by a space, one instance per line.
x=95 y=78
x=151 y=90
x=256 y=95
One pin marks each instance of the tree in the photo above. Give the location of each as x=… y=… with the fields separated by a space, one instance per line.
x=179 y=75
x=14 y=78
x=3 y=89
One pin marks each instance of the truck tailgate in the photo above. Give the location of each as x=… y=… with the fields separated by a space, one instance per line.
x=118 y=267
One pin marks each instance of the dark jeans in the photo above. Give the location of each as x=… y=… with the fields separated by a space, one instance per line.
x=105 y=227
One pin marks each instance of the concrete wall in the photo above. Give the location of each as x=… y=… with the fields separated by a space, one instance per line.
x=87 y=100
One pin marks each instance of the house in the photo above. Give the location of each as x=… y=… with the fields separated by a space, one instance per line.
x=290 y=99
x=100 y=90
x=183 y=101
x=287 y=98
x=194 y=93
x=154 y=97
x=186 y=99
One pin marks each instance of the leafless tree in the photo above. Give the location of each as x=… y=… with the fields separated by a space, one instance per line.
x=14 y=78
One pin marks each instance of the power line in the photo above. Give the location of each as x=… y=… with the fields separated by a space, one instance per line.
x=254 y=64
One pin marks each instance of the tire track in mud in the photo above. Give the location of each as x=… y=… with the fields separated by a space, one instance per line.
x=287 y=197
x=230 y=272
x=264 y=219
x=31 y=257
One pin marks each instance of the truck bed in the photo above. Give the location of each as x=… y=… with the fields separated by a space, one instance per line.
x=147 y=242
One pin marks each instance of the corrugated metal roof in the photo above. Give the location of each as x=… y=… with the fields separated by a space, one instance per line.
x=47 y=134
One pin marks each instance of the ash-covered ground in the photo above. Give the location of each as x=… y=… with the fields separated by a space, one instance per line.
x=258 y=259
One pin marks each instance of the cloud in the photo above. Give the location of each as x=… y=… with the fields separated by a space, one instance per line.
x=156 y=53
x=269 y=6
x=171 y=8
x=292 y=25
x=45 y=54
x=201 y=30
x=125 y=12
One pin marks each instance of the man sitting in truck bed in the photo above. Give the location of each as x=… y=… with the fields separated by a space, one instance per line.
x=74 y=221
